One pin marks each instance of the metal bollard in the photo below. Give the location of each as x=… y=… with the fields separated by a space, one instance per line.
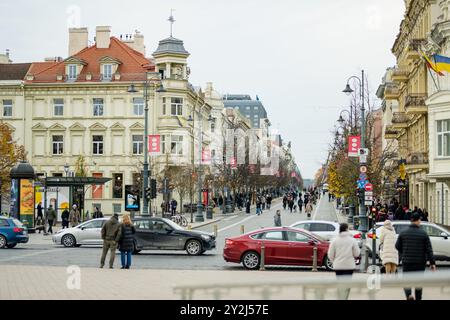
x=314 y=269
x=242 y=229
x=262 y=266
x=216 y=232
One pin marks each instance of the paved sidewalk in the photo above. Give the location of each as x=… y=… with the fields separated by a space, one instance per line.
x=56 y=283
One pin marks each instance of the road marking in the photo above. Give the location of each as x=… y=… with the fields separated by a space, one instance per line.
x=237 y=223
x=316 y=210
x=31 y=255
x=230 y=218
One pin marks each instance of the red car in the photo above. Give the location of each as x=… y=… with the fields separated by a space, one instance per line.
x=283 y=246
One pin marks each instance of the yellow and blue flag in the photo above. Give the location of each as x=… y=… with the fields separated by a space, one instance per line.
x=441 y=63
x=431 y=65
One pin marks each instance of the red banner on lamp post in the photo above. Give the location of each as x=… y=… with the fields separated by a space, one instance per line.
x=354 y=144
x=206 y=156
x=154 y=144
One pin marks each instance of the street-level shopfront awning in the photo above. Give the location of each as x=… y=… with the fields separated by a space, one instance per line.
x=74 y=181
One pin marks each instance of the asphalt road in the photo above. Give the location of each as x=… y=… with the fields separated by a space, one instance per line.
x=41 y=251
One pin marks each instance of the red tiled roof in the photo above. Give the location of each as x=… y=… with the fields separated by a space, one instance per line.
x=134 y=64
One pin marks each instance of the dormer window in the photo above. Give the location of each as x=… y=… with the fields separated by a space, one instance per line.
x=72 y=72
x=107 y=72
x=109 y=67
x=74 y=66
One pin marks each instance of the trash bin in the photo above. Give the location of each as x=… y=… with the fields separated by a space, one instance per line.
x=209 y=212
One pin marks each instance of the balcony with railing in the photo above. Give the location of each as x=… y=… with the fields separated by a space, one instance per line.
x=400 y=75
x=400 y=120
x=391 y=92
x=414 y=48
x=415 y=103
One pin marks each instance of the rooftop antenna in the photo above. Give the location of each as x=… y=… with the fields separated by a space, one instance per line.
x=171 y=20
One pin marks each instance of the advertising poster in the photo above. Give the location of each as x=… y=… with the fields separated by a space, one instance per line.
x=97 y=190
x=58 y=197
x=154 y=144
x=14 y=209
x=26 y=197
x=132 y=200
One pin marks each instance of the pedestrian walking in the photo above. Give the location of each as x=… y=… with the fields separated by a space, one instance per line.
x=97 y=213
x=110 y=236
x=74 y=216
x=39 y=211
x=277 y=219
x=247 y=206
x=50 y=217
x=285 y=201
x=126 y=242
x=342 y=253
x=291 y=204
x=269 y=201
x=258 y=207
x=65 y=219
x=425 y=215
x=414 y=247
x=173 y=206
x=300 y=204
x=309 y=209
x=388 y=252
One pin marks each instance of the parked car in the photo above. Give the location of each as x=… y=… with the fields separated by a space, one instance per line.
x=12 y=232
x=164 y=234
x=327 y=230
x=283 y=246
x=438 y=235
x=86 y=233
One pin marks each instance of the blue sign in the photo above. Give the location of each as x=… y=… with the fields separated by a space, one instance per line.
x=362 y=184
x=363 y=177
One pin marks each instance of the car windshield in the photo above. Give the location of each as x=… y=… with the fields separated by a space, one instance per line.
x=18 y=223
x=173 y=224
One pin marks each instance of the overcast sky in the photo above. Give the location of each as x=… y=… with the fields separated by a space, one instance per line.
x=295 y=55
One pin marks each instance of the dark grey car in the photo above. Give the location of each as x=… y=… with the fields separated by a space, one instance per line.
x=164 y=234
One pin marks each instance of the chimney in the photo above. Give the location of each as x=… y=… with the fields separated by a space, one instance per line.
x=103 y=37
x=139 y=42
x=78 y=40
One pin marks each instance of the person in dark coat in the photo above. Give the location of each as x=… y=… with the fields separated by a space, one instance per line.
x=126 y=242
x=65 y=218
x=414 y=247
x=408 y=215
x=399 y=213
x=277 y=219
x=425 y=215
x=247 y=206
x=300 y=203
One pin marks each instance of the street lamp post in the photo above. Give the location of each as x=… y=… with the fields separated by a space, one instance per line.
x=199 y=215
x=66 y=169
x=363 y=218
x=132 y=89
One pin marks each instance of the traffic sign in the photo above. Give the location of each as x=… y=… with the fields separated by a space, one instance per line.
x=363 y=169
x=362 y=159
x=363 y=177
x=368 y=203
x=369 y=187
x=369 y=193
x=368 y=198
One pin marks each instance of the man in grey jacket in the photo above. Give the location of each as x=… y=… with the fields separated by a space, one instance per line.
x=110 y=236
x=342 y=253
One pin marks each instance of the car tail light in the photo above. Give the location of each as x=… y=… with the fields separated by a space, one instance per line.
x=357 y=236
x=18 y=230
x=229 y=242
x=371 y=236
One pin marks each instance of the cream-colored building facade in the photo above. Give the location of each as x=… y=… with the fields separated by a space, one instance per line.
x=81 y=106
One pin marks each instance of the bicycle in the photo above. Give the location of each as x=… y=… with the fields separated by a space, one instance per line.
x=180 y=220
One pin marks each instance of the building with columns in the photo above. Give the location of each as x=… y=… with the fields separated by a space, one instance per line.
x=62 y=109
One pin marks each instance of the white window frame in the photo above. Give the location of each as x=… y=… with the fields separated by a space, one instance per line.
x=107 y=70
x=176 y=145
x=176 y=109
x=6 y=107
x=58 y=108
x=138 y=145
x=72 y=72
x=98 y=109
x=138 y=107
x=96 y=145
x=59 y=145
x=442 y=144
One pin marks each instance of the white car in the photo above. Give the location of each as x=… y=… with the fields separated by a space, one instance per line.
x=327 y=230
x=439 y=238
x=86 y=233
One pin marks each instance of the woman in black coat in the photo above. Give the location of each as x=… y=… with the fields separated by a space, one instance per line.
x=126 y=243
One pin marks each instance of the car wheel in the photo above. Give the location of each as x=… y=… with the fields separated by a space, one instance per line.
x=251 y=260
x=327 y=263
x=68 y=241
x=2 y=242
x=11 y=245
x=193 y=247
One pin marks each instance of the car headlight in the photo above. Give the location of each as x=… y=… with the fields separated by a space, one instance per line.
x=205 y=237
